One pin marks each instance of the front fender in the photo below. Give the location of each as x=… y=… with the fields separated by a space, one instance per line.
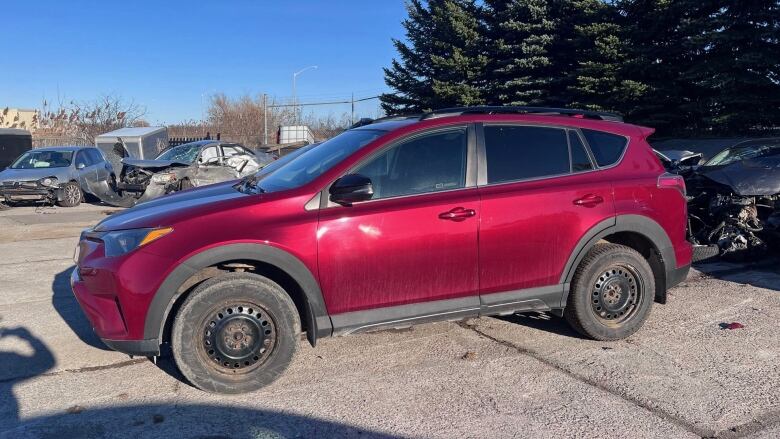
x=319 y=323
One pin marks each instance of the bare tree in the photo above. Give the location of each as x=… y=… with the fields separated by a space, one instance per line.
x=88 y=120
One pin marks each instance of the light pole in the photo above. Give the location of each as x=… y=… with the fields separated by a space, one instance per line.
x=295 y=100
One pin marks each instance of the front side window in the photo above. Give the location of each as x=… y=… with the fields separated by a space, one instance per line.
x=523 y=152
x=43 y=159
x=209 y=155
x=429 y=163
x=607 y=148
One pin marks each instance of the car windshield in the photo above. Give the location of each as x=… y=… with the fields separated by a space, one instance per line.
x=43 y=159
x=281 y=161
x=743 y=152
x=186 y=153
x=312 y=163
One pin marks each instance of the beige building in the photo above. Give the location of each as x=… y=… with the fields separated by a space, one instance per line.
x=19 y=118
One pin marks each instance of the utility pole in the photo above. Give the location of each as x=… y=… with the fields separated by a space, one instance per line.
x=265 y=119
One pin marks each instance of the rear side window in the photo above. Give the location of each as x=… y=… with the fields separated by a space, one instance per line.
x=523 y=152
x=579 y=157
x=607 y=148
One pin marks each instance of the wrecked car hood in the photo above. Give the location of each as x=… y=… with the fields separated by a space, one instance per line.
x=758 y=176
x=153 y=213
x=153 y=164
x=32 y=174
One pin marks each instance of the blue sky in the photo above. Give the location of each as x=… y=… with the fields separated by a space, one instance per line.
x=165 y=55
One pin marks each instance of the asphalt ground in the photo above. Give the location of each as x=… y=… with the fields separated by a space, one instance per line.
x=529 y=375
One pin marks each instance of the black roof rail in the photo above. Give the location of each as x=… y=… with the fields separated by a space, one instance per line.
x=368 y=121
x=588 y=114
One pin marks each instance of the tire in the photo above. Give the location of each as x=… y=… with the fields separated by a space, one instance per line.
x=71 y=195
x=611 y=294
x=235 y=333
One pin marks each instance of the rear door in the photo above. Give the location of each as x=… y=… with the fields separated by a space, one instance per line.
x=540 y=193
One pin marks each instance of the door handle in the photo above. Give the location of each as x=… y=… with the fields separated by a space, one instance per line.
x=457 y=214
x=589 y=200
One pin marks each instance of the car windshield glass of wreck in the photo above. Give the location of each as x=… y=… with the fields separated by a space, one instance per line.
x=745 y=151
x=183 y=153
x=43 y=159
x=317 y=161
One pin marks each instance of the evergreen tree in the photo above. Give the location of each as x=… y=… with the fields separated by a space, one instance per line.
x=442 y=64
x=598 y=81
x=518 y=35
x=740 y=68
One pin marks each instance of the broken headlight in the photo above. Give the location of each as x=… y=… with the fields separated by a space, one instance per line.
x=164 y=178
x=120 y=242
x=48 y=182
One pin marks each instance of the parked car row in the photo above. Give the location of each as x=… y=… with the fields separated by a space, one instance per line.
x=64 y=175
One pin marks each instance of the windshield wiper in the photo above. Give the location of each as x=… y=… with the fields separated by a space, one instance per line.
x=249 y=185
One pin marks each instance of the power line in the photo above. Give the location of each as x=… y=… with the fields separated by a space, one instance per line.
x=310 y=104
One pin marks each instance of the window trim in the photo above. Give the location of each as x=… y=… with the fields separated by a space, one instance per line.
x=593 y=156
x=482 y=154
x=588 y=153
x=471 y=164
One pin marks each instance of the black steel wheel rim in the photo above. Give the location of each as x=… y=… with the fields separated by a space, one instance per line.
x=72 y=194
x=238 y=338
x=616 y=294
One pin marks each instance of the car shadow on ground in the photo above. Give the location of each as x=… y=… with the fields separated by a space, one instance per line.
x=762 y=273
x=178 y=420
x=68 y=308
x=18 y=367
x=543 y=322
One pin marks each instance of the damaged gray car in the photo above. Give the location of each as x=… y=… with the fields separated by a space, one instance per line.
x=734 y=200
x=181 y=167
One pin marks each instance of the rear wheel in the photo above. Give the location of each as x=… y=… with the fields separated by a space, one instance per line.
x=235 y=333
x=71 y=195
x=611 y=293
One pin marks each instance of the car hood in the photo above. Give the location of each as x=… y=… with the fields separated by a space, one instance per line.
x=162 y=211
x=153 y=164
x=32 y=174
x=752 y=177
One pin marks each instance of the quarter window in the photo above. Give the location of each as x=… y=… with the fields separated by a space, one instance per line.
x=579 y=156
x=607 y=148
x=428 y=163
x=523 y=152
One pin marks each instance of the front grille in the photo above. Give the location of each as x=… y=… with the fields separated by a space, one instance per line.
x=20 y=185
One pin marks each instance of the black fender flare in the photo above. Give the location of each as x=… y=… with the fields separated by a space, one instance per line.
x=318 y=320
x=640 y=224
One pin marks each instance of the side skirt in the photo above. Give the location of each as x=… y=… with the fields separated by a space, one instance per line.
x=403 y=316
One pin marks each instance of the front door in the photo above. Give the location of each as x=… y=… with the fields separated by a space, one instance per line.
x=415 y=241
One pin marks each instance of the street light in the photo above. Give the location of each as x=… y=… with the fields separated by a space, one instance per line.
x=295 y=100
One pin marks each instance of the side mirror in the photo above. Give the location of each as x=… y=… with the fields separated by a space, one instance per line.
x=81 y=166
x=351 y=188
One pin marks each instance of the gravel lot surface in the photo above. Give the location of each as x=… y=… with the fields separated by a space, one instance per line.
x=520 y=376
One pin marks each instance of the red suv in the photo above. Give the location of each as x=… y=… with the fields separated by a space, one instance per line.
x=453 y=214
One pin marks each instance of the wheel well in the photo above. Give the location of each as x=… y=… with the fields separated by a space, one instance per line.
x=650 y=252
x=270 y=271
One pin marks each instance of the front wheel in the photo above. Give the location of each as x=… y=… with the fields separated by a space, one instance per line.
x=611 y=293
x=71 y=195
x=235 y=333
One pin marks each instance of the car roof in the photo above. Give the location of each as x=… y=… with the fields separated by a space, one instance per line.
x=611 y=126
x=62 y=148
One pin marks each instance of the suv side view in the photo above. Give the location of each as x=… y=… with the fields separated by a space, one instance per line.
x=453 y=214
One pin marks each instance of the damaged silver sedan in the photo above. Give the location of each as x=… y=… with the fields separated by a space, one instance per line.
x=178 y=168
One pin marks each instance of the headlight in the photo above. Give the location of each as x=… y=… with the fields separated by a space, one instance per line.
x=163 y=178
x=122 y=241
x=49 y=181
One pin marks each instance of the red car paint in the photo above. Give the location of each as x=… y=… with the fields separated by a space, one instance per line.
x=390 y=252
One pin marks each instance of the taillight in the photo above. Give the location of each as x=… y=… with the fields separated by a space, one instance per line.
x=672 y=181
